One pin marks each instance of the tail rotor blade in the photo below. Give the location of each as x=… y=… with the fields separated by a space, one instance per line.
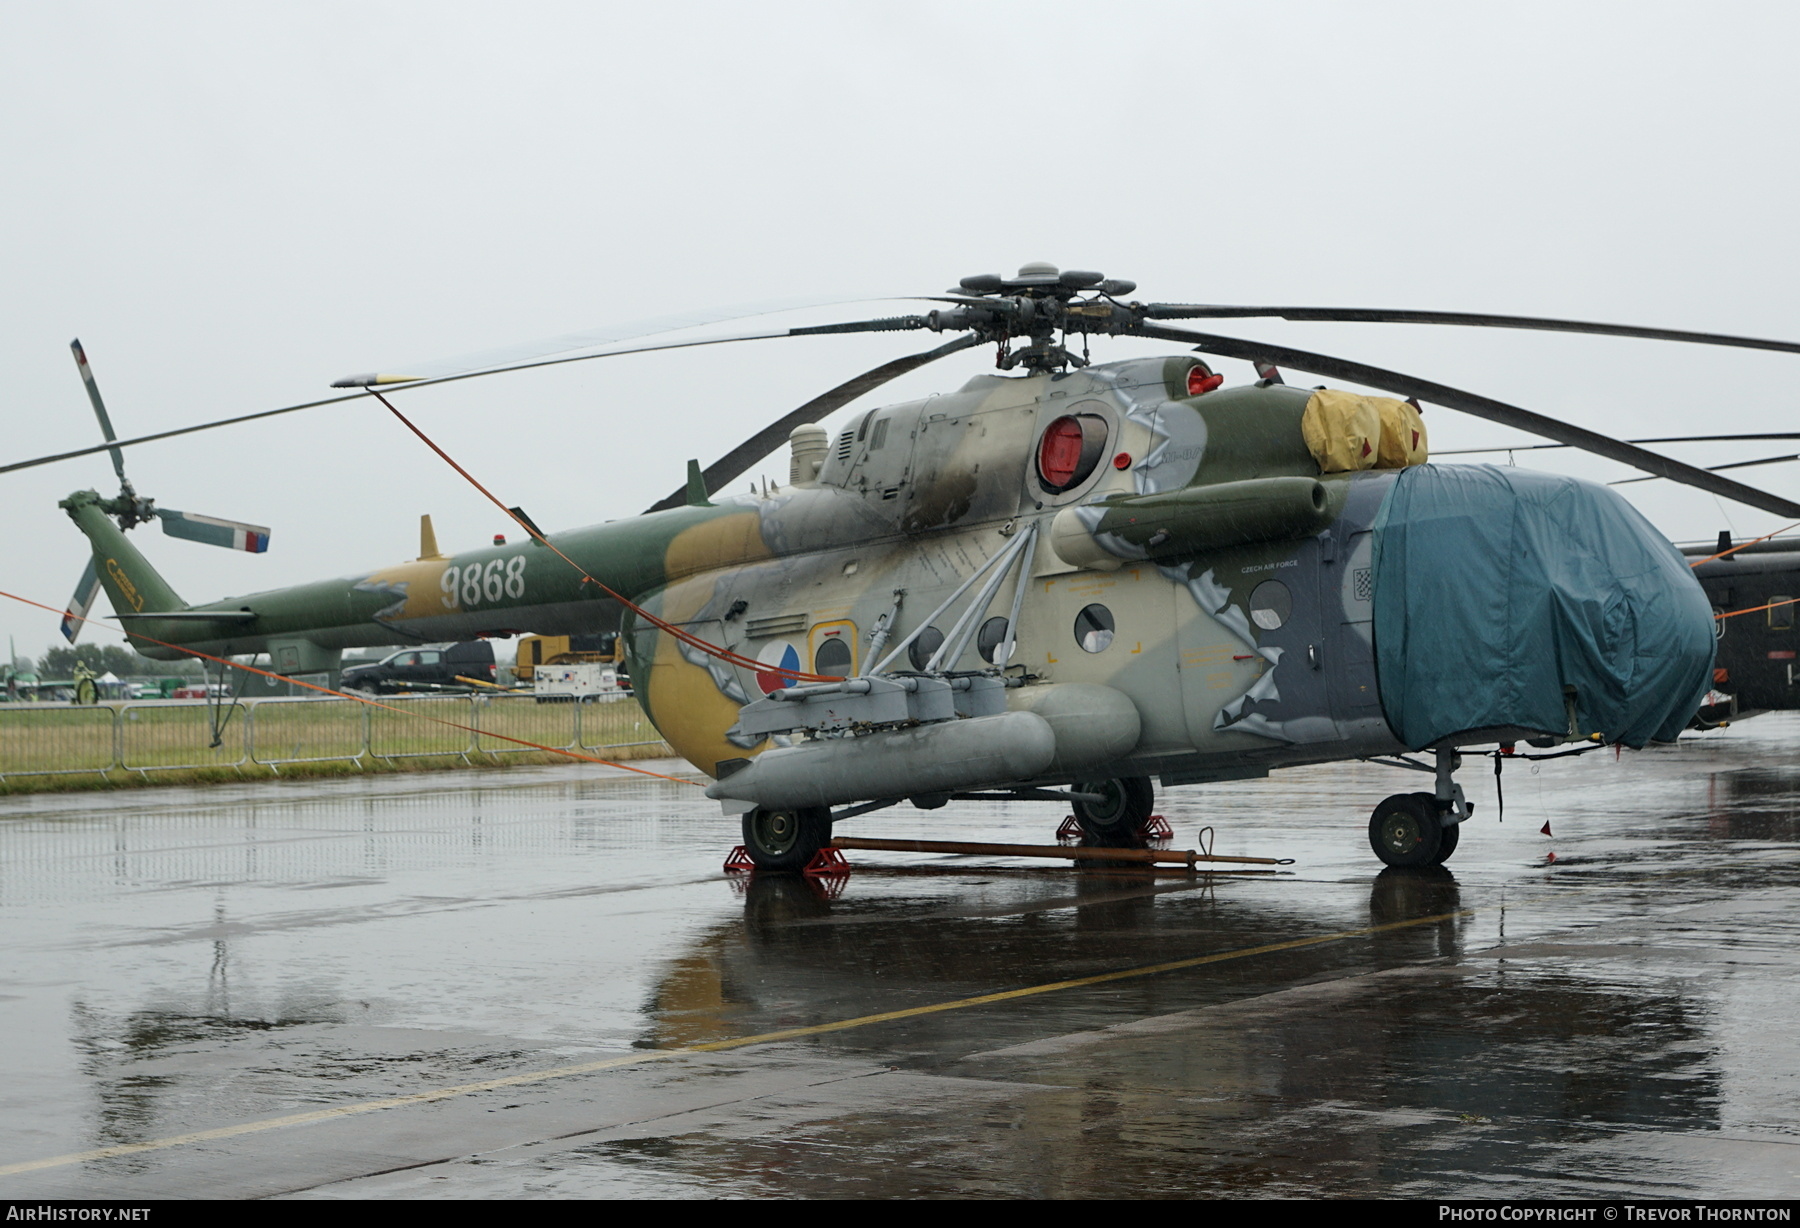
x=208 y=530
x=93 y=391
x=86 y=593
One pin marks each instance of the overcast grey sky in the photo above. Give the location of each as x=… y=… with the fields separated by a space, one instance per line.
x=234 y=204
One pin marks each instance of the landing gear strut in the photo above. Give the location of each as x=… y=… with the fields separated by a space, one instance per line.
x=785 y=839
x=1117 y=821
x=1421 y=829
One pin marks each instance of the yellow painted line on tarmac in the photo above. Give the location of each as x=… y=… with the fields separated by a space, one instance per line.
x=663 y=1055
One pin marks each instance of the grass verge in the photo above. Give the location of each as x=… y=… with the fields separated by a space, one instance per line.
x=367 y=765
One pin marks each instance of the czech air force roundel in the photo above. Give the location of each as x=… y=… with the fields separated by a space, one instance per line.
x=780 y=655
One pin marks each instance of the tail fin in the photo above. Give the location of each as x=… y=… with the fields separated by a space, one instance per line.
x=134 y=586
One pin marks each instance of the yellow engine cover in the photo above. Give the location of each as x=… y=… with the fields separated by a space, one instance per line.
x=1346 y=431
x=1342 y=430
x=1402 y=435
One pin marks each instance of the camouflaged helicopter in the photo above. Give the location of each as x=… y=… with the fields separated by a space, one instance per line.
x=1063 y=581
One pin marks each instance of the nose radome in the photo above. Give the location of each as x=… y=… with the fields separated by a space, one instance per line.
x=1510 y=601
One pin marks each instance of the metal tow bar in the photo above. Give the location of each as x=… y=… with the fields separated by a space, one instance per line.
x=1188 y=857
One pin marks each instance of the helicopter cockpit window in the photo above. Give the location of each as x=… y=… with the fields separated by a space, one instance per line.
x=1271 y=605
x=1070 y=451
x=989 y=639
x=1094 y=628
x=929 y=641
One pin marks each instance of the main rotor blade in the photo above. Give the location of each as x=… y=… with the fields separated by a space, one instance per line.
x=1749 y=464
x=230 y=534
x=1380 y=315
x=1480 y=407
x=525 y=353
x=732 y=465
x=93 y=391
x=759 y=335
x=1542 y=447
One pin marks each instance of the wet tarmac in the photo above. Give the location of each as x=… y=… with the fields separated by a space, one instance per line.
x=539 y=983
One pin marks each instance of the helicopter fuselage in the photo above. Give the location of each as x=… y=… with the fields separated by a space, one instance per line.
x=1185 y=551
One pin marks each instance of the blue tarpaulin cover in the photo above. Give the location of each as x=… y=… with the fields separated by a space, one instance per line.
x=1495 y=588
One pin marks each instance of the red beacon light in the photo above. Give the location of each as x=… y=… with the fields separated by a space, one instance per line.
x=1122 y=461
x=499 y=539
x=1201 y=380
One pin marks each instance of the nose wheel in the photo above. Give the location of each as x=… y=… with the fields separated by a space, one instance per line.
x=1408 y=829
x=785 y=839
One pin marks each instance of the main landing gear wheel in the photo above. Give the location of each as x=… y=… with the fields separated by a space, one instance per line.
x=1118 y=821
x=1407 y=830
x=785 y=839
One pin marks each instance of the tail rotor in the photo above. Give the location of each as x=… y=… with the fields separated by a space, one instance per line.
x=130 y=509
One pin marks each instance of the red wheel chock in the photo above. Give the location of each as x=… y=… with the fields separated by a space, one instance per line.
x=1157 y=828
x=826 y=862
x=739 y=862
x=1070 y=829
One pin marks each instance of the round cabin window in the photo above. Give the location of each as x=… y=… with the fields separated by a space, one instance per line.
x=1094 y=628
x=832 y=660
x=1070 y=450
x=1271 y=605
x=989 y=639
x=929 y=641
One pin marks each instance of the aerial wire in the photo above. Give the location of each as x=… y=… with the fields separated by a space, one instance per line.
x=687 y=637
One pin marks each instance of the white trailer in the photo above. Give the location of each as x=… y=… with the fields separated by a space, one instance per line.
x=574 y=683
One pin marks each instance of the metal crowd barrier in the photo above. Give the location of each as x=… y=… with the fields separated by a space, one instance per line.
x=147 y=736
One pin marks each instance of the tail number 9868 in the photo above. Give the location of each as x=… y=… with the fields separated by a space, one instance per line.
x=472 y=585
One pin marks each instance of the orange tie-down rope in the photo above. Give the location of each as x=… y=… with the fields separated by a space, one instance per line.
x=1753 y=609
x=1721 y=554
x=362 y=699
x=687 y=637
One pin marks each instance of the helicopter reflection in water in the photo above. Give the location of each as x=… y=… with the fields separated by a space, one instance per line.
x=1299 y=1067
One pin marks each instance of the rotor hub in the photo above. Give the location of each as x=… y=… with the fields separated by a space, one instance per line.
x=1034 y=306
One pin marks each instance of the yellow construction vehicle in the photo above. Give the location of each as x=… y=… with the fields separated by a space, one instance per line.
x=535 y=650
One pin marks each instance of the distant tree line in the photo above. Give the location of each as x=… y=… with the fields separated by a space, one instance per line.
x=113 y=659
